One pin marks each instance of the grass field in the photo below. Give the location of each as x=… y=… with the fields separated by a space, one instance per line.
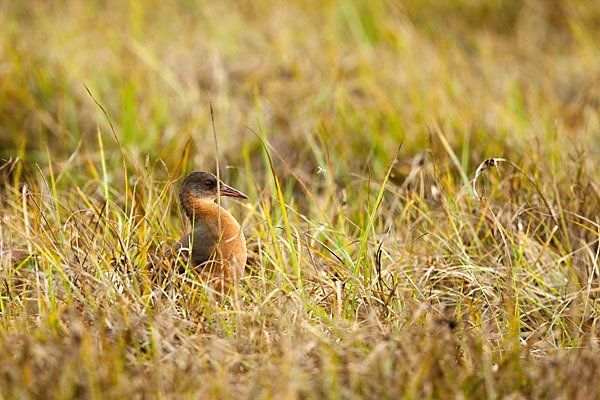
x=387 y=257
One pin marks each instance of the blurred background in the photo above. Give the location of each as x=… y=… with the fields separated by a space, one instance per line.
x=336 y=84
x=356 y=285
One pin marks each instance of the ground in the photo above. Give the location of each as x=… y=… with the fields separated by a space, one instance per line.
x=423 y=184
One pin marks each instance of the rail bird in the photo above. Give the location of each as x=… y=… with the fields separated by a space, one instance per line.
x=216 y=240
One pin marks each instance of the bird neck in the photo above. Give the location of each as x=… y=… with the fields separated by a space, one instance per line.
x=201 y=209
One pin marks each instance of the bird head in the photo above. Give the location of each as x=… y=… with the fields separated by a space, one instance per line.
x=202 y=186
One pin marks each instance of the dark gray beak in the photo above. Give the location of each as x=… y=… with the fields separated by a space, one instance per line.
x=231 y=192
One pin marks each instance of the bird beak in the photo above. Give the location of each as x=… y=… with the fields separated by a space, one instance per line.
x=229 y=191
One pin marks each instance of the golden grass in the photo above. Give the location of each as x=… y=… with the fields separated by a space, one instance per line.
x=373 y=272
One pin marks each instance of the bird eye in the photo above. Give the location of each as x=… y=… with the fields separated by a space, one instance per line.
x=209 y=184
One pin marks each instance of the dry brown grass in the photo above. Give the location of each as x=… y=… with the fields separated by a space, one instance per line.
x=371 y=274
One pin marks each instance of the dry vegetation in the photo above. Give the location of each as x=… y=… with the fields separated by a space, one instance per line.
x=374 y=272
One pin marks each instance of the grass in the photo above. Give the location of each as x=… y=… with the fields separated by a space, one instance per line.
x=423 y=213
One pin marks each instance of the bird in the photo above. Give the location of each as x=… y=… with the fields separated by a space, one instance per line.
x=216 y=240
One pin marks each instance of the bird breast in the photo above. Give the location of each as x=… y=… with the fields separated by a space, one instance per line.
x=231 y=242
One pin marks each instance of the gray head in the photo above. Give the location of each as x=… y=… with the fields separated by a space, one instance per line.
x=202 y=186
